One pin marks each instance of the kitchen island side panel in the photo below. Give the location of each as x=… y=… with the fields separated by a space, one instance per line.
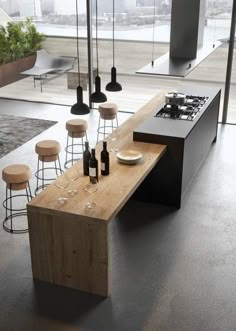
x=164 y=183
x=198 y=142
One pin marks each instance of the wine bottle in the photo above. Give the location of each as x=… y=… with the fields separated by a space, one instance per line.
x=93 y=167
x=86 y=158
x=105 y=163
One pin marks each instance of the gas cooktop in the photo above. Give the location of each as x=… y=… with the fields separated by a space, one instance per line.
x=188 y=111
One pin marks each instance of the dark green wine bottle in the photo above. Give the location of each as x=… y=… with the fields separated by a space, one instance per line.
x=105 y=162
x=86 y=158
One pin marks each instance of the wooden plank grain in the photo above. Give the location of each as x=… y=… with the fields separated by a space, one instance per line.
x=71 y=253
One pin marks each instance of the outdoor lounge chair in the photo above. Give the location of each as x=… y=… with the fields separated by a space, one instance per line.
x=48 y=64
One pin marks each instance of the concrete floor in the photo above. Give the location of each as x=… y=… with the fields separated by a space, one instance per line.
x=171 y=270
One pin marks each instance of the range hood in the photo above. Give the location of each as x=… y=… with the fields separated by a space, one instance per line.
x=186 y=41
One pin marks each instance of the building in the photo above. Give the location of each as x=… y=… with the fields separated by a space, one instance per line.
x=68 y=7
x=47 y=6
x=29 y=8
x=10 y=6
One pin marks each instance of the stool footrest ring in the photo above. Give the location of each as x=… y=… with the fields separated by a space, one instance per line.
x=6 y=228
x=48 y=168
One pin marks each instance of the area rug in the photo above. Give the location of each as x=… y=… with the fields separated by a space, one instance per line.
x=15 y=131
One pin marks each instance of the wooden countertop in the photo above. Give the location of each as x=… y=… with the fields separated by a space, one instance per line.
x=113 y=190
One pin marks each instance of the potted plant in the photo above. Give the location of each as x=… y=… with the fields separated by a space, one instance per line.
x=19 y=42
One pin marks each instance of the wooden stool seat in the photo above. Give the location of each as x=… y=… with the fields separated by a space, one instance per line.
x=107 y=111
x=76 y=128
x=48 y=150
x=108 y=116
x=17 y=178
x=108 y=108
x=17 y=175
x=47 y=147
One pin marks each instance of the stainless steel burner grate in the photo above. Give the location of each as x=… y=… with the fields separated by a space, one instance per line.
x=188 y=111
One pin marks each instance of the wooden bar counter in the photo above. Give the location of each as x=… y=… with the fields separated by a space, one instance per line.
x=70 y=243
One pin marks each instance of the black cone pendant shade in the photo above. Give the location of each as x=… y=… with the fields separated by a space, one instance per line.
x=79 y=108
x=97 y=96
x=113 y=86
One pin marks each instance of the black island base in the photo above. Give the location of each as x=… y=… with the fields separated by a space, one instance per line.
x=188 y=133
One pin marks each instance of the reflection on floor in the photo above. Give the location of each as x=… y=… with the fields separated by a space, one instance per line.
x=171 y=270
x=137 y=90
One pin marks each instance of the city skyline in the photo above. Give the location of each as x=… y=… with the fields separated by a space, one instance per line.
x=38 y=8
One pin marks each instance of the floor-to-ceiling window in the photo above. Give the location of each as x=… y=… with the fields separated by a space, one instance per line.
x=142 y=32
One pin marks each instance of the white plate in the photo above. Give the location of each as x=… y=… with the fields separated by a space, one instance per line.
x=129 y=156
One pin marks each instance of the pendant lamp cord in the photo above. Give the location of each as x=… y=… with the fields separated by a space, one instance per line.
x=113 y=33
x=153 y=30
x=77 y=39
x=214 y=37
x=97 y=36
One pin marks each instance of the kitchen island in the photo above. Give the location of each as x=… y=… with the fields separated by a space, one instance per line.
x=70 y=244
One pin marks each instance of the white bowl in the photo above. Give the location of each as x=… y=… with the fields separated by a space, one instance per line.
x=129 y=156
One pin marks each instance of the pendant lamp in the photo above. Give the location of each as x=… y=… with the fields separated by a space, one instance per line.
x=153 y=31
x=113 y=86
x=97 y=96
x=79 y=108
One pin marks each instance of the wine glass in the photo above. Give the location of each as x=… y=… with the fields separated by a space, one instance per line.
x=91 y=188
x=62 y=182
x=113 y=137
x=110 y=141
x=72 y=174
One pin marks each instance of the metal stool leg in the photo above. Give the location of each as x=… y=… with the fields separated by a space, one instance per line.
x=59 y=164
x=37 y=183
x=27 y=194
x=11 y=207
x=6 y=214
x=67 y=146
x=98 y=127
x=55 y=165
x=72 y=148
x=117 y=121
x=30 y=193
x=43 y=172
x=82 y=143
x=104 y=131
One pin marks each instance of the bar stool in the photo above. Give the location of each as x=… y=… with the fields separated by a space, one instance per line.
x=17 y=178
x=75 y=129
x=48 y=151
x=107 y=111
